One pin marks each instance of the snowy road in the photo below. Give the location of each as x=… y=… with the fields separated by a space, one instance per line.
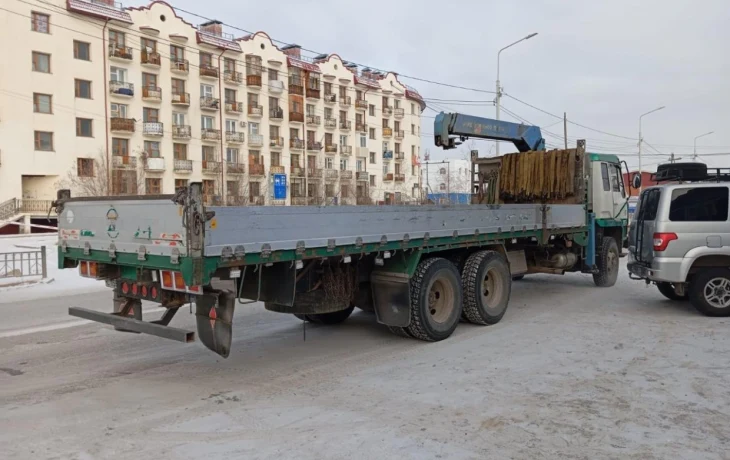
x=572 y=371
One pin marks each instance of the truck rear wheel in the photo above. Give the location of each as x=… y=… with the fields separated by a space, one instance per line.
x=436 y=298
x=608 y=257
x=709 y=291
x=668 y=291
x=487 y=284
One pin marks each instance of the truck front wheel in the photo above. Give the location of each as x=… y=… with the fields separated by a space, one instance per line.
x=709 y=291
x=608 y=257
x=436 y=298
x=487 y=283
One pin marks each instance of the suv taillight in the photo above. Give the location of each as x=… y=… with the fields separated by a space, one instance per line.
x=661 y=240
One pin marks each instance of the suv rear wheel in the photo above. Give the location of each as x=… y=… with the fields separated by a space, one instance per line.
x=709 y=291
x=667 y=290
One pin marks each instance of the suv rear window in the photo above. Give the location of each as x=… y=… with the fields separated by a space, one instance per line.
x=705 y=204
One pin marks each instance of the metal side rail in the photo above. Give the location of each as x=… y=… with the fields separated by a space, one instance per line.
x=129 y=324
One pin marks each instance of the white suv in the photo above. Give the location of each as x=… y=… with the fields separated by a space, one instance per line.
x=679 y=239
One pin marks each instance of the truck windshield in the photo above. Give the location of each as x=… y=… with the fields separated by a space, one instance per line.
x=702 y=204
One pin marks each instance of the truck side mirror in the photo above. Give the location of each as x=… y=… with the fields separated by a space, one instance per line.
x=636 y=181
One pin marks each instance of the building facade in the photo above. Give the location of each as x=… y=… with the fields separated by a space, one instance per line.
x=447 y=182
x=136 y=100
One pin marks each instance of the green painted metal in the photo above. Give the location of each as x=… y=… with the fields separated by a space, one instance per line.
x=402 y=262
x=608 y=158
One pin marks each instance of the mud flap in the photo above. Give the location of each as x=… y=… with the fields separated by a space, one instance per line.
x=391 y=298
x=214 y=318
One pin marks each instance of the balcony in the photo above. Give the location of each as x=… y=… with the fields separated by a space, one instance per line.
x=121 y=125
x=314 y=146
x=208 y=71
x=400 y=177
x=330 y=98
x=388 y=177
x=296 y=144
x=387 y=132
x=276 y=143
x=276 y=114
x=345 y=125
x=277 y=169
x=299 y=201
x=182 y=99
x=313 y=93
x=124 y=162
x=154 y=164
x=296 y=86
x=108 y=9
x=256 y=140
x=362 y=152
x=399 y=134
x=361 y=127
x=296 y=171
x=182 y=166
x=180 y=66
x=233 y=77
x=346 y=174
x=211 y=167
x=387 y=154
x=400 y=156
x=345 y=101
x=234 y=107
x=314 y=173
x=235 y=168
x=330 y=123
x=276 y=86
x=253 y=81
x=363 y=200
x=361 y=104
x=256 y=169
x=331 y=174
x=153 y=128
x=362 y=176
x=210 y=103
x=345 y=150
x=399 y=112
x=314 y=120
x=151 y=94
x=121 y=88
x=387 y=111
x=210 y=134
x=235 y=137
x=255 y=110
x=296 y=117
x=181 y=132
x=330 y=148
x=120 y=52
x=150 y=59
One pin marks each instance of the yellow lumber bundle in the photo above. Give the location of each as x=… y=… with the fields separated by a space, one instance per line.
x=538 y=176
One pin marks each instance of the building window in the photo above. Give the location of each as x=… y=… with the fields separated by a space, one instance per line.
x=363 y=140
x=82 y=50
x=116 y=38
x=41 y=62
x=328 y=163
x=84 y=127
x=343 y=164
x=442 y=171
x=150 y=115
x=207 y=122
x=153 y=186
x=43 y=141
x=372 y=133
x=152 y=149
x=177 y=53
x=275 y=158
x=42 y=103
x=232 y=155
x=85 y=167
x=442 y=186
x=371 y=110
x=413 y=109
x=413 y=129
x=360 y=165
x=372 y=180
x=372 y=158
x=119 y=110
x=82 y=89
x=40 y=22
x=118 y=74
x=180 y=151
x=181 y=183
x=120 y=147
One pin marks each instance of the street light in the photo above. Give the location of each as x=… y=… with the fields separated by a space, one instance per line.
x=499 y=88
x=641 y=140
x=694 y=157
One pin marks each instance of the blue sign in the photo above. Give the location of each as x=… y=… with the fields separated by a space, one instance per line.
x=280 y=186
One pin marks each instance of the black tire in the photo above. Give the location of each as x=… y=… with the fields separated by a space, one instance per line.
x=301 y=317
x=517 y=277
x=608 y=261
x=436 y=300
x=487 y=284
x=400 y=331
x=335 y=317
x=709 y=291
x=668 y=291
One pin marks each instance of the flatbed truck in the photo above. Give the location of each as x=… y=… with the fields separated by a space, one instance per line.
x=421 y=269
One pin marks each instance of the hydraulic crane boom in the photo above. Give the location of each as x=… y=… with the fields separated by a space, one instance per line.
x=448 y=126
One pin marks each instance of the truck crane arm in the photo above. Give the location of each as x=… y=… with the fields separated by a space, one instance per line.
x=448 y=126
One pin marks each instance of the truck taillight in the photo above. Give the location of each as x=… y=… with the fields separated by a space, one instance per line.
x=173 y=281
x=88 y=269
x=166 y=277
x=179 y=282
x=661 y=240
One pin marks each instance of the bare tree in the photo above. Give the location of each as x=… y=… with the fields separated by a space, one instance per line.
x=95 y=177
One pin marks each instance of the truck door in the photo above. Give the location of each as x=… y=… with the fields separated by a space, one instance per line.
x=618 y=192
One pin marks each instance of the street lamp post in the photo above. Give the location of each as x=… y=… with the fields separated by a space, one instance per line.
x=694 y=155
x=499 y=88
x=641 y=140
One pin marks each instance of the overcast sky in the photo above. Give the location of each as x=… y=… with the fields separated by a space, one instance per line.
x=603 y=62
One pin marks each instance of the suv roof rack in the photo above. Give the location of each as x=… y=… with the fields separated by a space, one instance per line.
x=690 y=172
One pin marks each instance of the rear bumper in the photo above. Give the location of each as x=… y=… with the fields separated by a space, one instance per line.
x=664 y=269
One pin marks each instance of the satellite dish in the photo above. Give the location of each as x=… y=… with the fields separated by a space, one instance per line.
x=636 y=181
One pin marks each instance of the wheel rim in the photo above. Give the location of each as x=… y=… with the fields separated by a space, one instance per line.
x=492 y=289
x=440 y=300
x=717 y=292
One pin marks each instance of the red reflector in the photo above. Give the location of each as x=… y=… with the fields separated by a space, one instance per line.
x=125 y=288
x=92 y=269
x=179 y=282
x=144 y=291
x=135 y=289
x=661 y=240
x=167 y=280
x=194 y=289
x=153 y=293
x=84 y=268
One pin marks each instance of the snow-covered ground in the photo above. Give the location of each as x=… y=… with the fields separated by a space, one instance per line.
x=58 y=282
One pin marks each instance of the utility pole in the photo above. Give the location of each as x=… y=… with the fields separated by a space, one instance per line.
x=565 y=129
x=694 y=155
x=641 y=140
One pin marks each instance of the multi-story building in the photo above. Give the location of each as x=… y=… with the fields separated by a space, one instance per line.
x=106 y=99
x=448 y=181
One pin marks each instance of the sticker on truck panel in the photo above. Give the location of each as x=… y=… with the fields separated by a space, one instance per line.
x=70 y=234
x=111 y=218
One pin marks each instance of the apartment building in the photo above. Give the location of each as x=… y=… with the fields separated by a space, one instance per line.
x=128 y=100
